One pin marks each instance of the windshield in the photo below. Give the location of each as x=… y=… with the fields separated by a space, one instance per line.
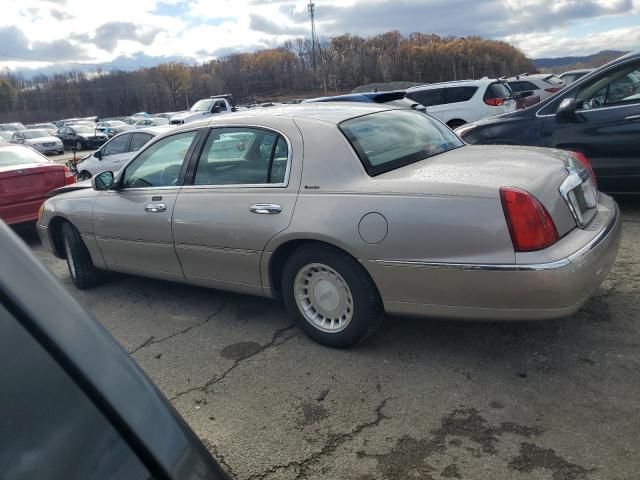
x=36 y=133
x=391 y=139
x=19 y=155
x=202 y=106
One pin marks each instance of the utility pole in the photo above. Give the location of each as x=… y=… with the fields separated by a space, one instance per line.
x=312 y=13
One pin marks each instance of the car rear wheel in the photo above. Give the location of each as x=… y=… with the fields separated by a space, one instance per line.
x=84 y=175
x=84 y=273
x=330 y=296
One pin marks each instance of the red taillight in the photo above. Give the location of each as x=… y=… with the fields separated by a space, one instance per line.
x=587 y=166
x=69 y=177
x=530 y=225
x=494 y=102
x=553 y=89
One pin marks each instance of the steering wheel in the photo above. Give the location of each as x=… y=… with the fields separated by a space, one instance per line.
x=170 y=175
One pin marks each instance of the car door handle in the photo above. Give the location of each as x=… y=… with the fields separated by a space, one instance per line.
x=632 y=117
x=155 y=207
x=266 y=208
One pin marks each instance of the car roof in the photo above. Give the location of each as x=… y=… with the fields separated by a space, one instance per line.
x=454 y=83
x=329 y=112
x=155 y=130
x=579 y=70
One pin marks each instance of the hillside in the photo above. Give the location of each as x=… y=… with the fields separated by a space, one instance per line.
x=568 y=63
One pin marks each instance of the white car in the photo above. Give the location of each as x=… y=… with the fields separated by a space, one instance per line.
x=205 y=108
x=114 y=154
x=533 y=86
x=460 y=102
x=151 y=122
x=40 y=140
x=573 y=75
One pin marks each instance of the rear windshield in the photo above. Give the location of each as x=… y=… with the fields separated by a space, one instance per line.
x=36 y=133
x=19 y=155
x=392 y=139
x=497 y=90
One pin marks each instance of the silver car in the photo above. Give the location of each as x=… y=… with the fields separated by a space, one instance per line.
x=116 y=153
x=346 y=211
x=41 y=140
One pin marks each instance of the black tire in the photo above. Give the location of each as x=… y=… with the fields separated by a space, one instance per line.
x=368 y=311
x=84 y=273
x=84 y=175
x=453 y=124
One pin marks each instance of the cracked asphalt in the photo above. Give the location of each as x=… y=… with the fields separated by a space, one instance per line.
x=421 y=399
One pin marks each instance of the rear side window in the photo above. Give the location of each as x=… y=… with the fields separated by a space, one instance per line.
x=522 y=86
x=428 y=98
x=392 y=139
x=497 y=90
x=459 y=94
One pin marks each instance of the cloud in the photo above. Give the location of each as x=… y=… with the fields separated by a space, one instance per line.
x=109 y=34
x=60 y=15
x=259 y=23
x=16 y=45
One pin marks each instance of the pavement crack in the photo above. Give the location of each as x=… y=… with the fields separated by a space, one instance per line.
x=334 y=442
x=277 y=339
x=152 y=340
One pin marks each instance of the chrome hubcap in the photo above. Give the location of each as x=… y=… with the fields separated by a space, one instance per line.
x=323 y=297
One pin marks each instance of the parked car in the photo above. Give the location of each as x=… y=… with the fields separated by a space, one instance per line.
x=395 y=98
x=6 y=135
x=345 y=212
x=456 y=103
x=151 y=122
x=598 y=115
x=573 y=75
x=112 y=127
x=205 y=108
x=550 y=78
x=40 y=140
x=166 y=115
x=81 y=137
x=26 y=177
x=12 y=127
x=75 y=121
x=75 y=405
x=50 y=127
x=533 y=85
x=114 y=154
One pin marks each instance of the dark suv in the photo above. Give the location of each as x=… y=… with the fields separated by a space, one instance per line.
x=597 y=115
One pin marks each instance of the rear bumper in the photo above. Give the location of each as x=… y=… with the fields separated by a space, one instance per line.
x=553 y=288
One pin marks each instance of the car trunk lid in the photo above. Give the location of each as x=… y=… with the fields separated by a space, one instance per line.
x=483 y=170
x=28 y=182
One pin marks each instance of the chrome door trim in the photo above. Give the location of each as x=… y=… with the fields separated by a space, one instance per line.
x=535 y=267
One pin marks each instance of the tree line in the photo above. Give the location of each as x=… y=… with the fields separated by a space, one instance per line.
x=295 y=69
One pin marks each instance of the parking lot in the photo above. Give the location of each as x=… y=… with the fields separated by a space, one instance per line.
x=420 y=399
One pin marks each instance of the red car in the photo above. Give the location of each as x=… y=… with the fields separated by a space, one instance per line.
x=26 y=177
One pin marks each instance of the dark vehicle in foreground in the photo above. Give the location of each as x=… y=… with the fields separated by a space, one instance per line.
x=26 y=177
x=75 y=406
x=394 y=98
x=598 y=116
x=81 y=137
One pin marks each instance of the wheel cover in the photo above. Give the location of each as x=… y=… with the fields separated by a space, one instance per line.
x=323 y=297
x=70 y=262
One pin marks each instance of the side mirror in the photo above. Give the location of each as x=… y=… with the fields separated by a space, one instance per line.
x=98 y=154
x=566 y=110
x=102 y=181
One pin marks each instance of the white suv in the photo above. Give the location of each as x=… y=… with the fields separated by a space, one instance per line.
x=460 y=102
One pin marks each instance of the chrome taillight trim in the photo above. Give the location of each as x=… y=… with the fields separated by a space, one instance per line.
x=576 y=178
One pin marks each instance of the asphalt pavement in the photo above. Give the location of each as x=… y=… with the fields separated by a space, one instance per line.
x=421 y=399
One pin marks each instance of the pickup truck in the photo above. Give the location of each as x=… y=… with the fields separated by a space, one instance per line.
x=205 y=108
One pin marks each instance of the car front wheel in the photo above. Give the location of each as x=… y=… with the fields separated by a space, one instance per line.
x=330 y=296
x=84 y=273
x=84 y=175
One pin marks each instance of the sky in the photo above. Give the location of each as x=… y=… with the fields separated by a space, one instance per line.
x=60 y=34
